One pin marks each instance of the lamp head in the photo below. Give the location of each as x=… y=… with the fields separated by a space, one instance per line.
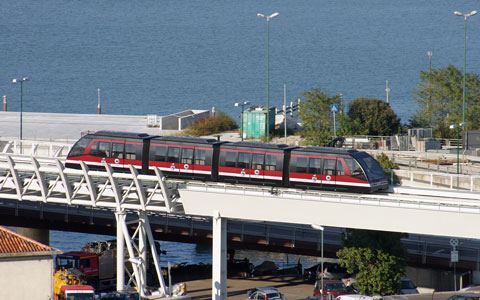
x=260 y=15
x=15 y=80
x=246 y=103
x=453 y=126
x=236 y=104
x=273 y=15
x=472 y=13
x=463 y=124
x=26 y=79
x=457 y=13
x=317 y=227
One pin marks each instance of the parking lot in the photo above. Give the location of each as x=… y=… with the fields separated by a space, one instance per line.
x=293 y=288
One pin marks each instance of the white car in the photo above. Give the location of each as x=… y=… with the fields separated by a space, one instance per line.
x=265 y=293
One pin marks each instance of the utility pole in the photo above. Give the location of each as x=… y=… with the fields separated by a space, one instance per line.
x=387 y=89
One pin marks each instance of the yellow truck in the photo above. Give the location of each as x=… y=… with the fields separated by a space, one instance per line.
x=68 y=285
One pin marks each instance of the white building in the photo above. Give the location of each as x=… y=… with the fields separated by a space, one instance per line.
x=26 y=267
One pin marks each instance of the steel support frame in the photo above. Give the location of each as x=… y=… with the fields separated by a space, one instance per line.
x=35 y=183
x=137 y=243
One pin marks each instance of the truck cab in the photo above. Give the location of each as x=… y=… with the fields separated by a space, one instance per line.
x=76 y=292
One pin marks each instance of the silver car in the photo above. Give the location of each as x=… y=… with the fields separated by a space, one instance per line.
x=265 y=293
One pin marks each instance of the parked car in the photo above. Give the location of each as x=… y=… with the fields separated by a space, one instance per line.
x=265 y=293
x=121 y=296
x=331 y=271
x=332 y=287
x=408 y=287
x=465 y=297
x=358 y=297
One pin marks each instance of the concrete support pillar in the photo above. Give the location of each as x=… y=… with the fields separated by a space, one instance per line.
x=219 y=257
x=39 y=235
x=120 y=216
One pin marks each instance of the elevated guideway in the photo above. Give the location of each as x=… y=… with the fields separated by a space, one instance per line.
x=441 y=213
x=45 y=180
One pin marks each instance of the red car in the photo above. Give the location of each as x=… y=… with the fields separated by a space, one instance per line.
x=332 y=287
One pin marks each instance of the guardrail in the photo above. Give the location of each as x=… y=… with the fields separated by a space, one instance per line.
x=434 y=180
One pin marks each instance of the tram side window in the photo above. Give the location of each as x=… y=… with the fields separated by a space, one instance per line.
x=200 y=157
x=173 y=154
x=315 y=166
x=329 y=166
x=243 y=160
x=340 y=169
x=159 y=153
x=257 y=161
x=230 y=159
x=301 y=165
x=187 y=156
x=117 y=150
x=270 y=162
x=80 y=147
x=103 y=149
x=131 y=152
x=355 y=169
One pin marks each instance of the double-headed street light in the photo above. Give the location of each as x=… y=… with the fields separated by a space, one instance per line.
x=458 y=143
x=472 y=13
x=322 y=229
x=21 y=81
x=268 y=69
x=241 y=116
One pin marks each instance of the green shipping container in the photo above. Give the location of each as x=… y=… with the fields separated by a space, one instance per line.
x=254 y=122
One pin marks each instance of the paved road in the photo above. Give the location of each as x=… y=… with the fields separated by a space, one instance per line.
x=70 y=126
x=293 y=288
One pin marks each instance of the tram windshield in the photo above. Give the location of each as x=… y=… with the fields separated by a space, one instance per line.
x=371 y=166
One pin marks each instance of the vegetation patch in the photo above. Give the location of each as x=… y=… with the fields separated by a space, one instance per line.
x=210 y=125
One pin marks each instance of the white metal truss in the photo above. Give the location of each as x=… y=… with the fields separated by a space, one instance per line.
x=31 y=147
x=46 y=180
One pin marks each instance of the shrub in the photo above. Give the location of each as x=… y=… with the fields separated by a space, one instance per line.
x=210 y=125
x=385 y=162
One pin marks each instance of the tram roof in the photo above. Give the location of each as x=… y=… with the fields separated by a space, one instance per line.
x=185 y=139
x=122 y=134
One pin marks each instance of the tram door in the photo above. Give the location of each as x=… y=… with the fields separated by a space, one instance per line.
x=117 y=157
x=258 y=166
x=244 y=165
x=315 y=166
x=329 y=176
x=173 y=158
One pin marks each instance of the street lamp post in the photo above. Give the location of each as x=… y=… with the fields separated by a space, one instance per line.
x=268 y=68
x=455 y=126
x=21 y=81
x=472 y=13
x=429 y=53
x=241 y=116
x=321 y=228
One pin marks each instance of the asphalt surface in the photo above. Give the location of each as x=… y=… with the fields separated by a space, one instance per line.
x=291 y=287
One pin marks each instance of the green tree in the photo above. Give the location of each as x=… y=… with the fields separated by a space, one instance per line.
x=378 y=273
x=439 y=96
x=378 y=259
x=316 y=116
x=372 y=116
